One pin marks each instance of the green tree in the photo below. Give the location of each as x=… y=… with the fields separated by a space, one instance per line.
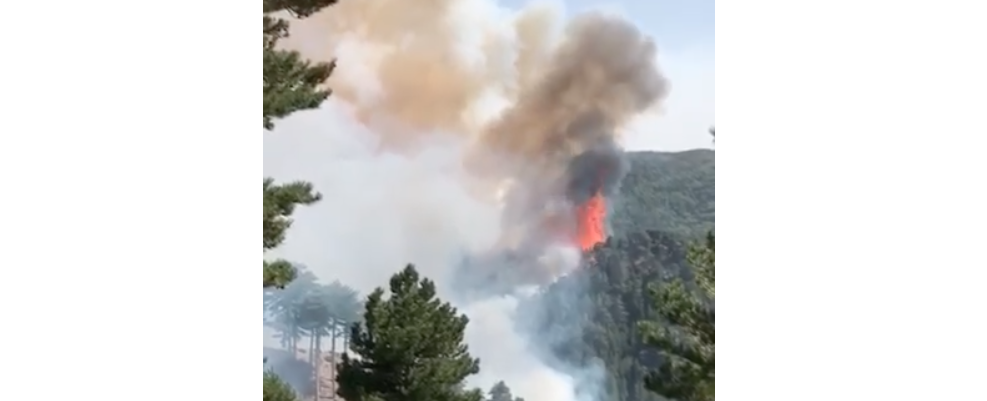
x=284 y=307
x=687 y=341
x=291 y=83
x=500 y=392
x=592 y=315
x=307 y=308
x=409 y=347
x=279 y=203
x=276 y=389
x=344 y=307
x=327 y=311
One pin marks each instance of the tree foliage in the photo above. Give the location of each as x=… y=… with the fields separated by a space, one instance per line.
x=593 y=314
x=306 y=307
x=276 y=389
x=599 y=312
x=291 y=83
x=673 y=192
x=409 y=347
x=500 y=392
x=687 y=336
x=279 y=203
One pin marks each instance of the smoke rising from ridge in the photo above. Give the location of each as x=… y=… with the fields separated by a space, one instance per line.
x=416 y=69
x=457 y=127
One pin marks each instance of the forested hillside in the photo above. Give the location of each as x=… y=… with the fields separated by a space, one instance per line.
x=594 y=313
x=666 y=205
x=591 y=317
x=641 y=307
x=667 y=191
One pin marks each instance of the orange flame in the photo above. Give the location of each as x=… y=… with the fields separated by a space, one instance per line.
x=589 y=222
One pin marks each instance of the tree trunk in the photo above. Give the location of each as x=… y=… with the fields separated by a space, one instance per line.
x=311 y=348
x=335 y=332
x=346 y=339
x=318 y=348
x=294 y=341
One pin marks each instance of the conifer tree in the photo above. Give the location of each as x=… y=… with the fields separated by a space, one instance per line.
x=291 y=83
x=688 y=339
x=500 y=392
x=276 y=389
x=409 y=347
x=279 y=204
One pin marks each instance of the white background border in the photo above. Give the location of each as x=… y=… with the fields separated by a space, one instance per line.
x=850 y=194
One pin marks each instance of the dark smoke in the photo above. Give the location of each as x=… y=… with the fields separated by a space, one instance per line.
x=597 y=170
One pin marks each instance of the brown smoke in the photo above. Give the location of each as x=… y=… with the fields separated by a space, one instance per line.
x=603 y=64
x=419 y=68
x=426 y=86
x=602 y=75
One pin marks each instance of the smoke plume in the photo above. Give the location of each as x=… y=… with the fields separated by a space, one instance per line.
x=480 y=144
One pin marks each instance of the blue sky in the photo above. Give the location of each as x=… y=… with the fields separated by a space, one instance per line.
x=685 y=33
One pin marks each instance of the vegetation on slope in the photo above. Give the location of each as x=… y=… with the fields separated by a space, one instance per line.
x=596 y=316
x=592 y=316
x=686 y=333
x=411 y=344
x=672 y=192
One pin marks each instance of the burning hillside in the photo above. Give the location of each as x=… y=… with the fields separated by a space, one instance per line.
x=563 y=98
x=452 y=132
x=568 y=213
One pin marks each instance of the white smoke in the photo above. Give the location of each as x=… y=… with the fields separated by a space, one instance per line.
x=382 y=211
x=379 y=211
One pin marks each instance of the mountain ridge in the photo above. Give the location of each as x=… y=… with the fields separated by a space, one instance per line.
x=673 y=192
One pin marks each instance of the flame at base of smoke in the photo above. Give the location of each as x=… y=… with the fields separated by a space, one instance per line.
x=590 y=218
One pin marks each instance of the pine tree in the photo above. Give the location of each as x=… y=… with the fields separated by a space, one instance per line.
x=279 y=204
x=290 y=84
x=276 y=389
x=500 y=392
x=688 y=340
x=409 y=347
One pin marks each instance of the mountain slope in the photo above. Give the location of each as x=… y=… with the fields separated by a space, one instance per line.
x=591 y=316
x=673 y=192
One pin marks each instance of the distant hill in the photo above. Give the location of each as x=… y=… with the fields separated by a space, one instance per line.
x=673 y=192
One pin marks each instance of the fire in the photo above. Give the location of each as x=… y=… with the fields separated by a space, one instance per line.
x=589 y=222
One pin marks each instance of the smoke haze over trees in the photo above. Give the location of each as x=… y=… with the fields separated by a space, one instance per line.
x=620 y=273
x=290 y=84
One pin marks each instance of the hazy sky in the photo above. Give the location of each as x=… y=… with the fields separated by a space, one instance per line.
x=684 y=31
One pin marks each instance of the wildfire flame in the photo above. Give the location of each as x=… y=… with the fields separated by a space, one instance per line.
x=589 y=222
